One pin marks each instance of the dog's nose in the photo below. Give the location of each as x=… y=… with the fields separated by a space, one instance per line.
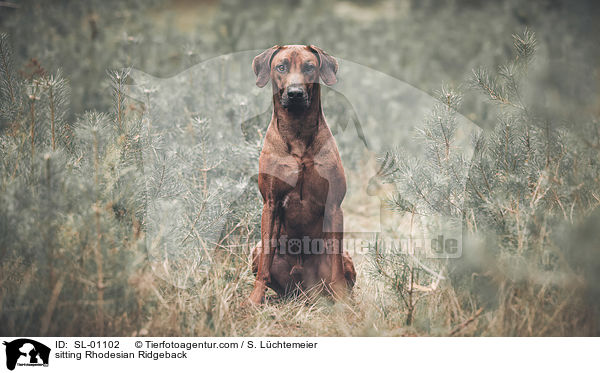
x=295 y=92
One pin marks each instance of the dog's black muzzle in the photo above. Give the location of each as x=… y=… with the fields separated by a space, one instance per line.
x=295 y=97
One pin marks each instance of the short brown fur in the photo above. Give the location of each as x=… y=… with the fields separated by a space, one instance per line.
x=301 y=179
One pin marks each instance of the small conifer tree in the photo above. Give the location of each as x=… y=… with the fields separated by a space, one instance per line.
x=529 y=176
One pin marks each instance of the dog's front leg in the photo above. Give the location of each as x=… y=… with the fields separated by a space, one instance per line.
x=270 y=228
x=334 y=235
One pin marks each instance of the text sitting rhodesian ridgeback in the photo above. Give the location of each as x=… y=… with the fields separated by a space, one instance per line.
x=301 y=180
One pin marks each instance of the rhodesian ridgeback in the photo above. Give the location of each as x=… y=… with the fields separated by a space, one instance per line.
x=301 y=180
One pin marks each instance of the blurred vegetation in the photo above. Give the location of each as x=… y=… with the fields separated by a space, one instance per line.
x=73 y=259
x=529 y=180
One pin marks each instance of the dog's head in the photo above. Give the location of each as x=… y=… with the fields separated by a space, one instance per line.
x=295 y=72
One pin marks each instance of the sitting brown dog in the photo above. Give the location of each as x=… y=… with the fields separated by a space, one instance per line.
x=301 y=180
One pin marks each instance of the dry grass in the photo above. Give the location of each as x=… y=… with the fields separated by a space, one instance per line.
x=144 y=301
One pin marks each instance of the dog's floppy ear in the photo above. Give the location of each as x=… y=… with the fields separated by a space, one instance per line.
x=328 y=65
x=262 y=66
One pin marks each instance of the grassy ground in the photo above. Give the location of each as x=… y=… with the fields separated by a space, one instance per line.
x=215 y=306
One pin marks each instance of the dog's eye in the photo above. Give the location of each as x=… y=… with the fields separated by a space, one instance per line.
x=309 y=68
x=281 y=68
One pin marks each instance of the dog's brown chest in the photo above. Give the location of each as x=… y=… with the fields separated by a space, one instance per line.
x=310 y=183
x=302 y=188
x=304 y=204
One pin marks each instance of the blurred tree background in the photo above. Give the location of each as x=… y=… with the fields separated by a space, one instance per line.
x=72 y=198
x=423 y=43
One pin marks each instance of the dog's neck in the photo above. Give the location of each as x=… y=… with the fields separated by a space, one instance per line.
x=298 y=127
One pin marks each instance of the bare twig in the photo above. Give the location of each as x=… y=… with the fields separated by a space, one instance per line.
x=466 y=323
